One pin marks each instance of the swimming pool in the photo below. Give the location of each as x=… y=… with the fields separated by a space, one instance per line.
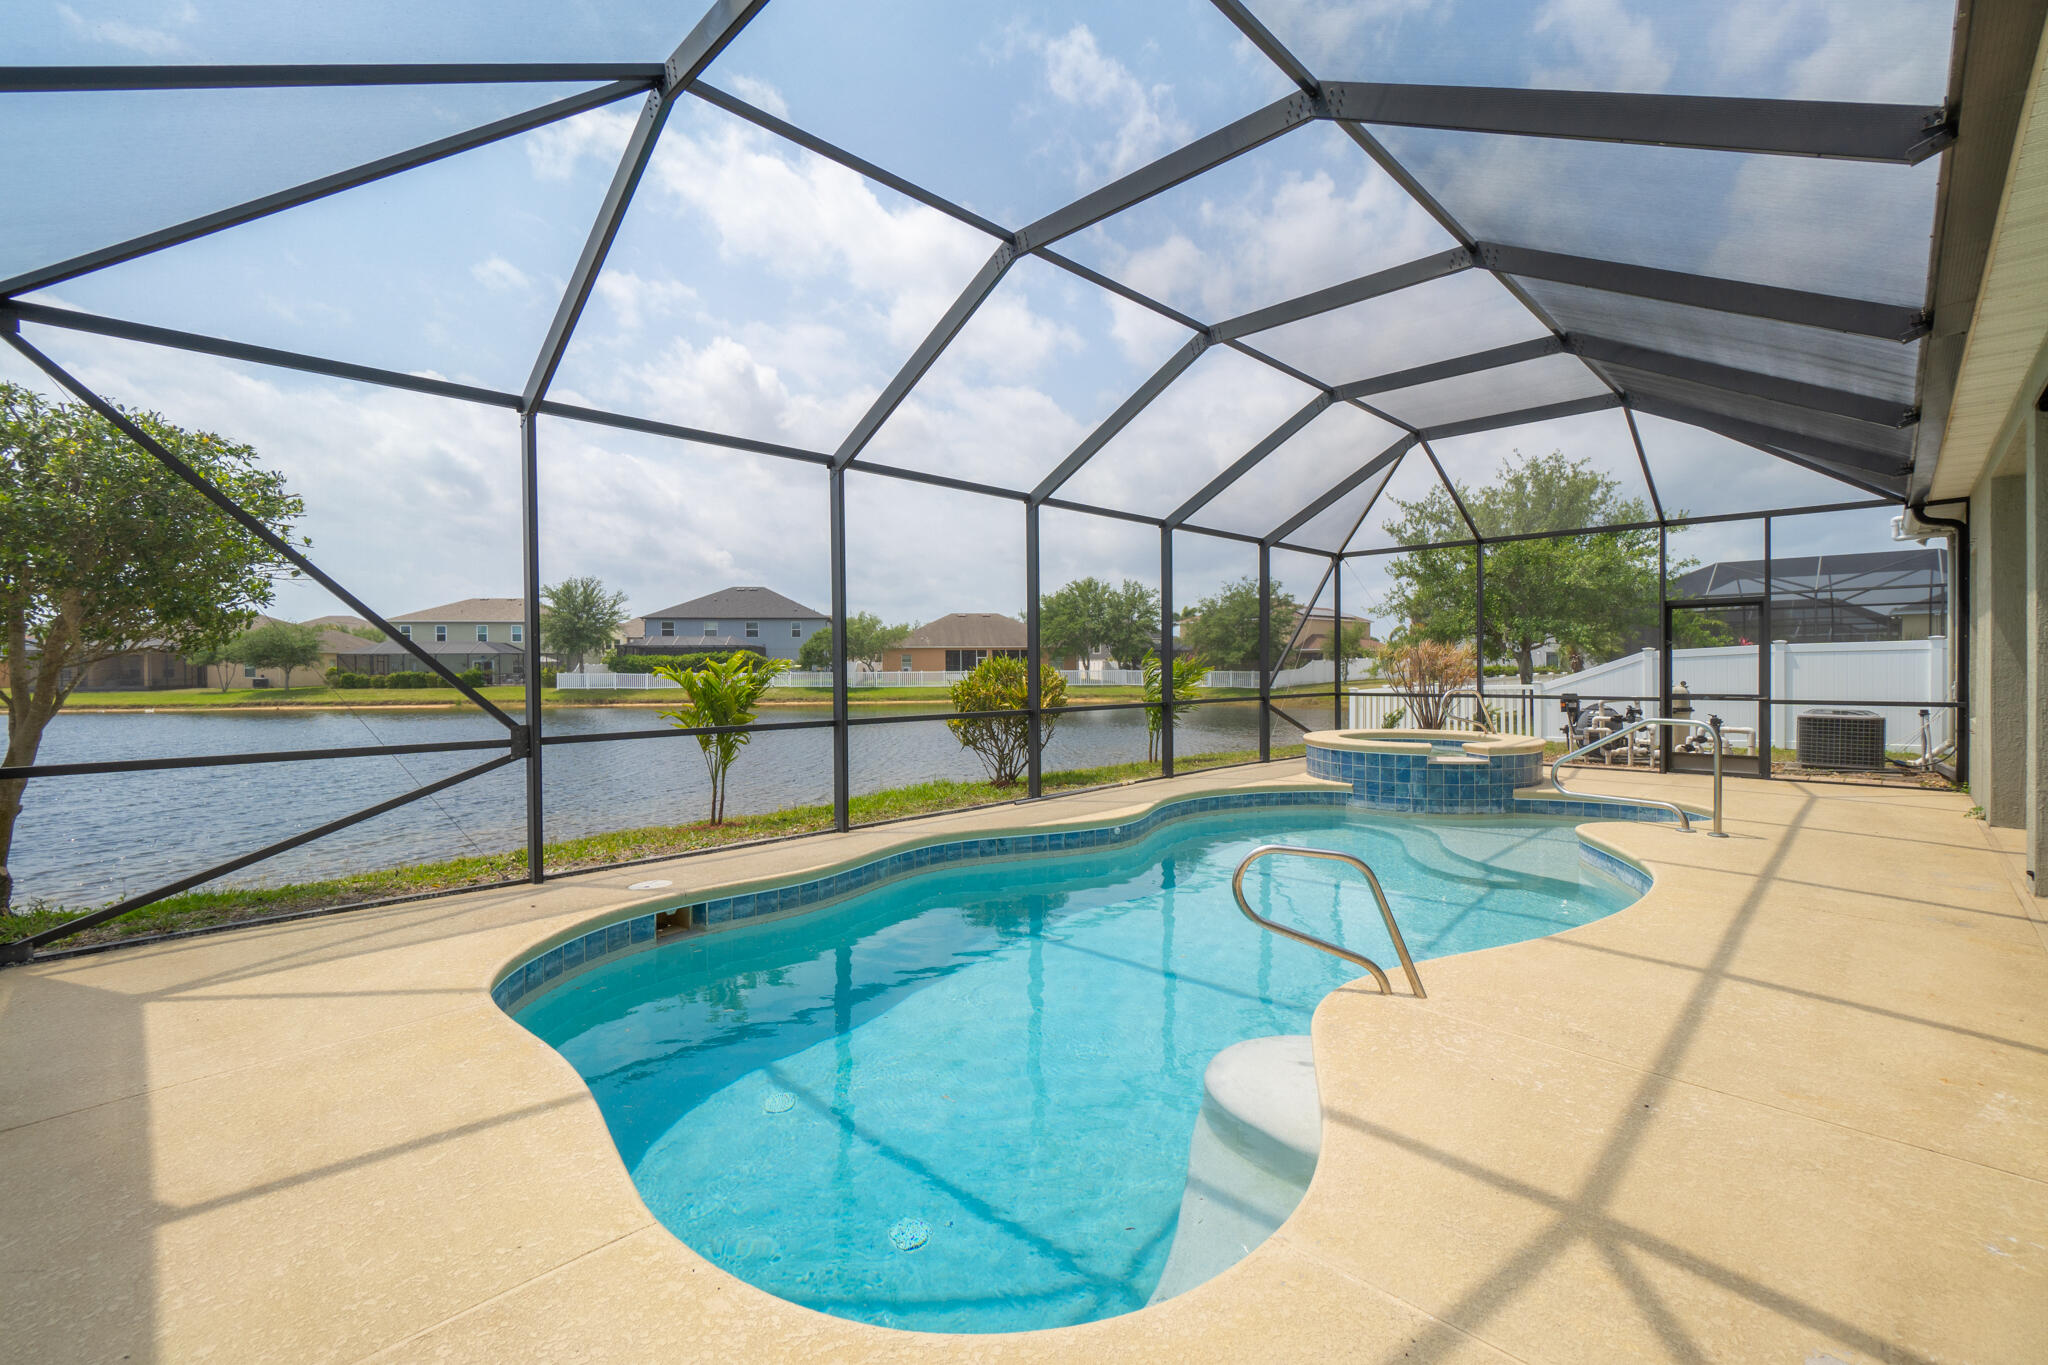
x=962 y=1101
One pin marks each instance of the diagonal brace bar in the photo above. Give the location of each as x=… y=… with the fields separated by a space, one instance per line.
x=1175 y=365
x=1350 y=481
x=1279 y=436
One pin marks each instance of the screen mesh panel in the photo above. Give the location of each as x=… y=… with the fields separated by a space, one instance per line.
x=1550 y=379
x=1299 y=472
x=1454 y=316
x=1896 y=442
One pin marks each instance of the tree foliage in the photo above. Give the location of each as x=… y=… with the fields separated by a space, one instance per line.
x=280 y=645
x=1088 y=614
x=721 y=690
x=1590 y=594
x=1003 y=743
x=1224 y=629
x=578 y=617
x=1188 y=675
x=103 y=548
x=868 y=639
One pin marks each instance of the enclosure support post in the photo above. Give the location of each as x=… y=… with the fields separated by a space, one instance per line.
x=1033 y=648
x=1166 y=651
x=1265 y=653
x=1337 y=643
x=1766 y=648
x=840 y=739
x=529 y=492
x=1479 y=628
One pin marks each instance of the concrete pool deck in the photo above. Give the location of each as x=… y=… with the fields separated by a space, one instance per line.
x=1791 y=1106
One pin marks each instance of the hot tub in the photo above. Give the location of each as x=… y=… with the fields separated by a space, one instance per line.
x=1441 y=772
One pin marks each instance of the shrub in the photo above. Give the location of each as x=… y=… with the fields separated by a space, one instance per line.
x=1003 y=743
x=1427 y=672
x=721 y=690
x=547 y=677
x=341 y=678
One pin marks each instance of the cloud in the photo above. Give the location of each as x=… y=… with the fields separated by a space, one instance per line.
x=151 y=42
x=1079 y=73
x=554 y=152
x=498 y=274
x=633 y=298
x=1611 y=48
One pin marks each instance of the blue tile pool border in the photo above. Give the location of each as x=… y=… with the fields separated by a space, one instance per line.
x=608 y=941
x=1623 y=871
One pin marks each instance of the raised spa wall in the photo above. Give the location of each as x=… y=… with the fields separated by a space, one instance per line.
x=1437 y=772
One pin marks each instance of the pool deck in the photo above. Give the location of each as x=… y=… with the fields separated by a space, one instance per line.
x=1792 y=1106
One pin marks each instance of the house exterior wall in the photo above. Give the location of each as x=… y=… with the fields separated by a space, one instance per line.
x=464 y=632
x=776 y=637
x=931 y=659
x=142 y=670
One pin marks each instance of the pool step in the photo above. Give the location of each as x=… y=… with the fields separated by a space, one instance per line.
x=1458 y=761
x=1254 y=1149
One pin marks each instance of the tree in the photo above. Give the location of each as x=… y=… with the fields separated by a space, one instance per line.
x=1188 y=674
x=103 y=547
x=1426 y=672
x=214 y=656
x=1003 y=743
x=578 y=617
x=1088 y=614
x=722 y=690
x=280 y=645
x=868 y=638
x=1224 y=629
x=1354 y=641
x=1591 y=594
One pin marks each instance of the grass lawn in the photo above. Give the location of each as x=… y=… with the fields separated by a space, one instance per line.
x=199 y=909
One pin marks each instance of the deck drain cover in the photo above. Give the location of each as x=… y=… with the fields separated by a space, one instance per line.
x=649 y=886
x=778 y=1102
x=909 y=1234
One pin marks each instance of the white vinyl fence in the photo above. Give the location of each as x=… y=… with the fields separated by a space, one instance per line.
x=1900 y=675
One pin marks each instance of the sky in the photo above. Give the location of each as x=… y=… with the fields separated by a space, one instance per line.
x=758 y=290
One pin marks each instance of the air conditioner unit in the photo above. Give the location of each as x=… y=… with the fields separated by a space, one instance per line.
x=1841 y=739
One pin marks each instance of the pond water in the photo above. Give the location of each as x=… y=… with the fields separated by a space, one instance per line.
x=87 y=840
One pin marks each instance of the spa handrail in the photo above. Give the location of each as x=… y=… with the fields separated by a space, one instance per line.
x=1386 y=913
x=1711 y=723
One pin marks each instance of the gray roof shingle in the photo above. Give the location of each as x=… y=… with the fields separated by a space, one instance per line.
x=740 y=604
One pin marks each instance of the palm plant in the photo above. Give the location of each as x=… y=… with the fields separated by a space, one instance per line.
x=1188 y=674
x=722 y=690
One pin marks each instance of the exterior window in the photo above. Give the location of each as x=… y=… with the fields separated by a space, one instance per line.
x=796 y=630
x=668 y=628
x=753 y=630
x=710 y=630
x=440 y=634
x=248 y=671
x=406 y=631
x=963 y=660
x=483 y=633
x=906 y=663
x=518 y=634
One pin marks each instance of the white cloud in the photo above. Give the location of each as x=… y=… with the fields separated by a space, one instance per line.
x=760 y=94
x=633 y=299
x=1079 y=73
x=1611 y=48
x=151 y=42
x=554 y=151
x=498 y=274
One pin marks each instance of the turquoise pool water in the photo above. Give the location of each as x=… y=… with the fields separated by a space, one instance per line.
x=962 y=1101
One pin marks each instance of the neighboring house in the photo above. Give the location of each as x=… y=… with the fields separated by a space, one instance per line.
x=335 y=645
x=477 y=632
x=145 y=668
x=1315 y=640
x=341 y=623
x=956 y=643
x=759 y=619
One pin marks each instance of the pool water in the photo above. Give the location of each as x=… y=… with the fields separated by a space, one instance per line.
x=963 y=1101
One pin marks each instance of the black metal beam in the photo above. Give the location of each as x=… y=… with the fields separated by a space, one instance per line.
x=1544 y=413
x=39 y=79
x=720 y=24
x=1901 y=133
x=651 y=427
x=1388 y=281
x=1494 y=359
x=1643 y=459
x=23 y=949
x=1233 y=139
x=926 y=355
x=842 y=740
x=1748 y=383
x=151 y=765
x=1166 y=651
x=529 y=565
x=1034 y=655
x=1265 y=653
x=1262 y=38
x=1350 y=481
x=1279 y=436
x=277 y=543
x=1176 y=364
x=1882 y=475
x=369 y=171
x=1890 y=321
x=74 y=321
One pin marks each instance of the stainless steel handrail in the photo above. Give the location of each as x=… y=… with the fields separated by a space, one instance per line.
x=1386 y=913
x=1711 y=723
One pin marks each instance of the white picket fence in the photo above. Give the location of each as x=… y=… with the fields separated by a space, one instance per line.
x=1899 y=676
x=1321 y=671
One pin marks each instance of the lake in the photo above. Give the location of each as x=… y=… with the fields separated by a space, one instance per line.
x=87 y=840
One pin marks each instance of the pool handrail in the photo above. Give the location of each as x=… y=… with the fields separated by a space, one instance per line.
x=1386 y=913
x=1711 y=723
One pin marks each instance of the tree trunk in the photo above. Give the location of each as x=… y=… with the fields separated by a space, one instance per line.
x=1525 y=659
